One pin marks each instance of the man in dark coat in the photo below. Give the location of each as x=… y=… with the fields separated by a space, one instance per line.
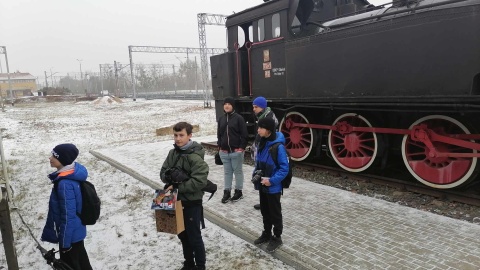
x=232 y=140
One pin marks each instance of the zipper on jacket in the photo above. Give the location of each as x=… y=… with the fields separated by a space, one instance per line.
x=228 y=136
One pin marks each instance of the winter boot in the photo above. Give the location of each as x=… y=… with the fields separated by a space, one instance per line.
x=265 y=237
x=237 y=195
x=275 y=242
x=188 y=265
x=226 y=196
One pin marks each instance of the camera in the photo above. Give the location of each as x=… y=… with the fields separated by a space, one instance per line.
x=257 y=176
x=175 y=176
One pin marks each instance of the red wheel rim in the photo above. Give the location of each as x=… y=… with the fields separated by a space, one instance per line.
x=354 y=151
x=439 y=172
x=298 y=140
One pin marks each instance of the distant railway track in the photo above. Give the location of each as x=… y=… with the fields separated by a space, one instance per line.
x=469 y=196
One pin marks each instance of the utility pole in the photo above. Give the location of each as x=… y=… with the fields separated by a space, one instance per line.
x=101 y=79
x=51 y=78
x=87 y=79
x=196 y=84
x=117 y=91
x=174 y=80
x=131 y=73
x=81 y=74
x=46 y=81
x=8 y=73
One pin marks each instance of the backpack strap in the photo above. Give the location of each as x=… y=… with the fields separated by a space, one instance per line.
x=176 y=160
x=273 y=151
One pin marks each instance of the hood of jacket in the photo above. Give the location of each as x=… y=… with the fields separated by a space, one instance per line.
x=77 y=173
x=279 y=138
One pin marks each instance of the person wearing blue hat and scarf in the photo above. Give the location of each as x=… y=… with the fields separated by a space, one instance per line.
x=267 y=179
x=63 y=225
x=261 y=111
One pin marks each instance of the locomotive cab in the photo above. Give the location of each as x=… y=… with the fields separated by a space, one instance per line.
x=255 y=61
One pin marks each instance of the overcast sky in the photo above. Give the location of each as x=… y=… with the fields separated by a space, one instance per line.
x=50 y=35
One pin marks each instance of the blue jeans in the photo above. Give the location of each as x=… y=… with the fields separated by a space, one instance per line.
x=232 y=164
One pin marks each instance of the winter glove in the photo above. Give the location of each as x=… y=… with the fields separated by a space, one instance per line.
x=178 y=176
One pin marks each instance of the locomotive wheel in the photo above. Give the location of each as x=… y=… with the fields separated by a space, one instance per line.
x=298 y=140
x=354 y=151
x=439 y=172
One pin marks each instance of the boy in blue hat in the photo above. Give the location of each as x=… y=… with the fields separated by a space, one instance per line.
x=270 y=183
x=261 y=111
x=63 y=225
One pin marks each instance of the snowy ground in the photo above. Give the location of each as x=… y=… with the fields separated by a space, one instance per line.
x=125 y=236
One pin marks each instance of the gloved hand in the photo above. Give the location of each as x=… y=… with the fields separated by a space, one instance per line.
x=178 y=176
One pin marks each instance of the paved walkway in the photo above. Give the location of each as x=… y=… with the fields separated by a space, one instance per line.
x=324 y=227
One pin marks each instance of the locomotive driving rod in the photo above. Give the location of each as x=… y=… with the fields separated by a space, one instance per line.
x=420 y=133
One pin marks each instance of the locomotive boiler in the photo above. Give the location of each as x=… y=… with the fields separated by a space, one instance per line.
x=368 y=88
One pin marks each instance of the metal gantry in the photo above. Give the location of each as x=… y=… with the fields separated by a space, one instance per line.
x=3 y=50
x=206 y=19
x=156 y=49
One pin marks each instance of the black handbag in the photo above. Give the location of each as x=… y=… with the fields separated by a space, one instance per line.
x=218 y=160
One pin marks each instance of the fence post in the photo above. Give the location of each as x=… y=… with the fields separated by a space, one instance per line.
x=7 y=233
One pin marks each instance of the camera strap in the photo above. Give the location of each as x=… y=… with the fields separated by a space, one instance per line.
x=176 y=160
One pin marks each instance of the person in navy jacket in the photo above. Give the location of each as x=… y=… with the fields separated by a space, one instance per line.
x=63 y=225
x=270 y=184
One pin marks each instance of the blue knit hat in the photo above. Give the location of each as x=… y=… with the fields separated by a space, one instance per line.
x=260 y=102
x=65 y=153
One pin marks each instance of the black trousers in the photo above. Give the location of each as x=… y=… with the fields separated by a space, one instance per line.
x=77 y=257
x=191 y=238
x=271 y=210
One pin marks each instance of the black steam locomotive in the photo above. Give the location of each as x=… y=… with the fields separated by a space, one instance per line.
x=370 y=88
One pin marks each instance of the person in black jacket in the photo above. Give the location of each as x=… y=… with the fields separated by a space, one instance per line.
x=232 y=140
x=261 y=111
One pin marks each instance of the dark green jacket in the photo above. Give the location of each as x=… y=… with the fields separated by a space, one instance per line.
x=191 y=161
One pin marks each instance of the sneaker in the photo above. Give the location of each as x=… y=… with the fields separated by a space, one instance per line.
x=265 y=237
x=226 y=196
x=237 y=195
x=275 y=242
x=257 y=206
x=188 y=265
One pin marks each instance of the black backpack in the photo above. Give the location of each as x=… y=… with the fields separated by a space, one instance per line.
x=273 y=150
x=90 y=203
